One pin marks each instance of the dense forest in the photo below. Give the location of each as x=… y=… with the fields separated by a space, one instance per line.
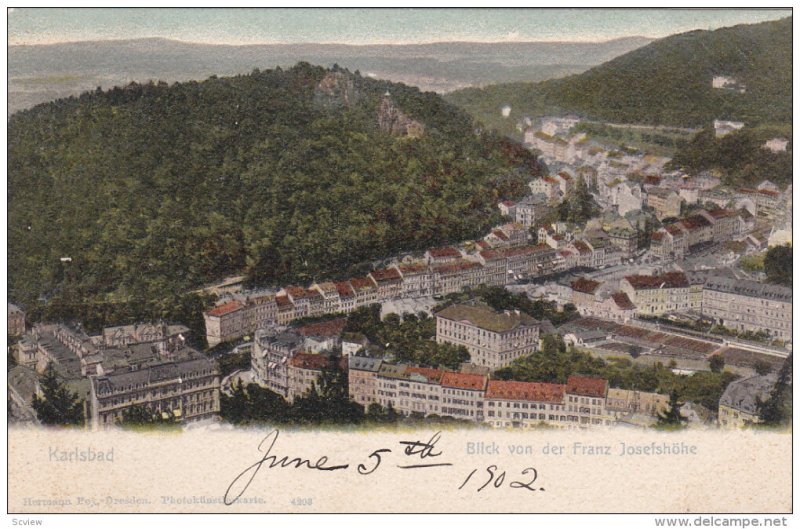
x=141 y=192
x=740 y=156
x=667 y=82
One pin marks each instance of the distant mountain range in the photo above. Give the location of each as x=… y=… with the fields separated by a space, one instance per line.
x=41 y=73
x=667 y=82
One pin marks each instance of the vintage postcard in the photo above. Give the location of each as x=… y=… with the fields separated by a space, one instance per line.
x=406 y=260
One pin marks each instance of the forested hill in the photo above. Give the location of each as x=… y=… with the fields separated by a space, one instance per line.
x=150 y=190
x=667 y=82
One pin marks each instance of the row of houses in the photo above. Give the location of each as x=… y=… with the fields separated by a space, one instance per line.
x=737 y=304
x=676 y=239
x=581 y=402
x=443 y=271
x=493 y=339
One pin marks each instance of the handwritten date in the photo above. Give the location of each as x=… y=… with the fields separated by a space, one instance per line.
x=412 y=455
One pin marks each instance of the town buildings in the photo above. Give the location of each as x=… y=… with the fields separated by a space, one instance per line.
x=186 y=389
x=665 y=202
x=744 y=305
x=493 y=339
x=363 y=379
x=655 y=295
x=146 y=365
x=304 y=370
x=272 y=350
x=579 y=403
x=16 y=320
x=738 y=406
x=530 y=210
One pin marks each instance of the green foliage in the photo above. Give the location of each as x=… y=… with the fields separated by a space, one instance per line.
x=777 y=409
x=667 y=82
x=57 y=405
x=739 y=156
x=327 y=402
x=672 y=417
x=157 y=189
x=761 y=367
x=139 y=417
x=408 y=340
x=778 y=265
x=578 y=206
x=253 y=404
x=378 y=414
x=752 y=263
x=716 y=363
x=228 y=363
x=11 y=360
x=555 y=363
x=501 y=299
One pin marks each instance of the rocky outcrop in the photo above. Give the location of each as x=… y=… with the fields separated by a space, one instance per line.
x=392 y=120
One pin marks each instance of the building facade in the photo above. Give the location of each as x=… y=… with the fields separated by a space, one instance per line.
x=749 y=306
x=493 y=339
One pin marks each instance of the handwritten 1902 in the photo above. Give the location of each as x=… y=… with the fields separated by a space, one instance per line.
x=414 y=454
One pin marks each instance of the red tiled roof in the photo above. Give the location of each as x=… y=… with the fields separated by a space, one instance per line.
x=765 y=192
x=508 y=203
x=456 y=266
x=585 y=285
x=411 y=269
x=463 y=381
x=673 y=229
x=582 y=247
x=447 y=251
x=668 y=280
x=482 y=244
x=283 y=302
x=327 y=329
x=524 y=250
x=296 y=292
x=385 y=274
x=694 y=222
x=720 y=213
x=586 y=386
x=623 y=301
x=226 y=308
x=529 y=391
x=500 y=235
x=657 y=236
x=565 y=176
x=550 y=180
x=310 y=361
x=652 y=179
x=490 y=255
x=433 y=375
x=362 y=283
x=313 y=295
x=344 y=289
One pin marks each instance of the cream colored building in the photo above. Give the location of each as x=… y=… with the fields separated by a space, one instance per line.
x=304 y=371
x=187 y=390
x=362 y=375
x=655 y=295
x=625 y=401
x=749 y=306
x=493 y=339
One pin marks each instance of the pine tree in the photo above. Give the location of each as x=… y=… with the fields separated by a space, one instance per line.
x=777 y=409
x=672 y=417
x=57 y=405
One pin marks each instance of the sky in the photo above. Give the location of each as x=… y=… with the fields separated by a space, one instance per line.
x=365 y=26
